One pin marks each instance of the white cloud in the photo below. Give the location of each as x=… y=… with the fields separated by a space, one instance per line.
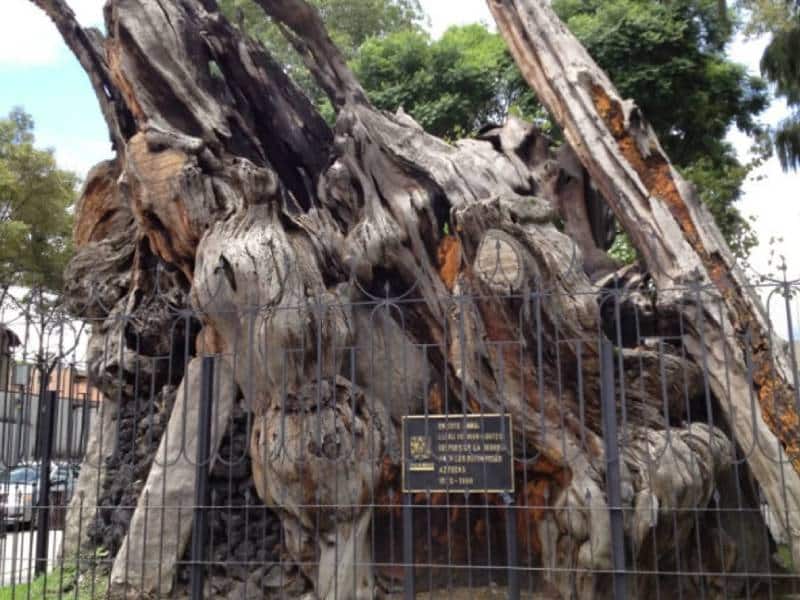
x=29 y=38
x=89 y=12
x=445 y=13
x=80 y=155
x=770 y=195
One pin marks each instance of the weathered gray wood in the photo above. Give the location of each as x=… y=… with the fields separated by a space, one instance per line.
x=158 y=534
x=82 y=508
x=679 y=243
x=87 y=45
x=270 y=228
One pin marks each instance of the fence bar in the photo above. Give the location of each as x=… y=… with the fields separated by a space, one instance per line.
x=613 y=480
x=511 y=542
x=47 y=408
x=788 y=293
x=409 y=592
x=201 y=498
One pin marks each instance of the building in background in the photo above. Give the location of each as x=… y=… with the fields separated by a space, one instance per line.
x=76 y=404
x=8 y=341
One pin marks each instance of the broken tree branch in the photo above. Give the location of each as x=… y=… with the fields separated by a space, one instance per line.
x=678 y=241
x=87 y=45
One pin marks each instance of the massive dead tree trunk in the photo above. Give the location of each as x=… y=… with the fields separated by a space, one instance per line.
x=727 y=331
x=316 y=258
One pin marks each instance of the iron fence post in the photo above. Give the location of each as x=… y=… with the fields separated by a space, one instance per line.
x=613 y=481
x=511 y=542
x=201 y=498
x=787 y=299
x=409 y=592
x=47 y=407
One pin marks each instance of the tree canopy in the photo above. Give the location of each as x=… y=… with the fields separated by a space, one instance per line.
x=780 y=64
x=452 y=86
x=36 y=199
x=349 y=22
x=669 y=57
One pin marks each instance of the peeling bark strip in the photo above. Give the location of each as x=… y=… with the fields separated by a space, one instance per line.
x=675 y=235
x=777 y=398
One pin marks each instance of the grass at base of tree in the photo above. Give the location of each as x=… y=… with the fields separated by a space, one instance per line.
x=66 y=585
x=783 y=556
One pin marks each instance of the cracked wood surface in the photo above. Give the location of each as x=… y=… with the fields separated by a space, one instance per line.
x=243 y=207
x=678 y=240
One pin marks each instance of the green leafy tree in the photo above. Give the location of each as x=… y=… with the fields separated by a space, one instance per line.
x=36 y=200
x=767 y=16
x=670 y=57
x=780 y=64
x=451 y=86
x=349 y=22
x=36 y=203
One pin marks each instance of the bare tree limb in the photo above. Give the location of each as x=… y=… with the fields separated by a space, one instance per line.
x=87 y=45
x=677 y=239
x=322 y=57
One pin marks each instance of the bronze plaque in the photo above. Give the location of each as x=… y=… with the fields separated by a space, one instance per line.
x=458 y=454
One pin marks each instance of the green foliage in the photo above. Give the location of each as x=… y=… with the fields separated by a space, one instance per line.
x=62 y=582
x=767 y=16
x=349 y=22
x=719 y=186
x=451 y=86
x=36 y=199
x=622 y=249
x=787 y=141
x=670 y=57
x=781 y=65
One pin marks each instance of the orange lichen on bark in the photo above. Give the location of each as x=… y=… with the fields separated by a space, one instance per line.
x=654 y=170
x=157 y=205
x=117 y=71
x=209 y=341
x=435 y=399
x=449 y=256
x=777 y=404
x=775 y=396
x=539 y=489
x=100 y=211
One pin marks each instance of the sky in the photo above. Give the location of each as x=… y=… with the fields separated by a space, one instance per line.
x=38 y=72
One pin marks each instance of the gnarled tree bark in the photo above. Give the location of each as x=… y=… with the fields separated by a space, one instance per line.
x=726 y=330
x=349 y=276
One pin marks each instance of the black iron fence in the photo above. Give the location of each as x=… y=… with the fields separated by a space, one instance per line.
x=538 y=464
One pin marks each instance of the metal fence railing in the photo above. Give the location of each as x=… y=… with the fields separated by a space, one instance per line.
x=429 y=459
